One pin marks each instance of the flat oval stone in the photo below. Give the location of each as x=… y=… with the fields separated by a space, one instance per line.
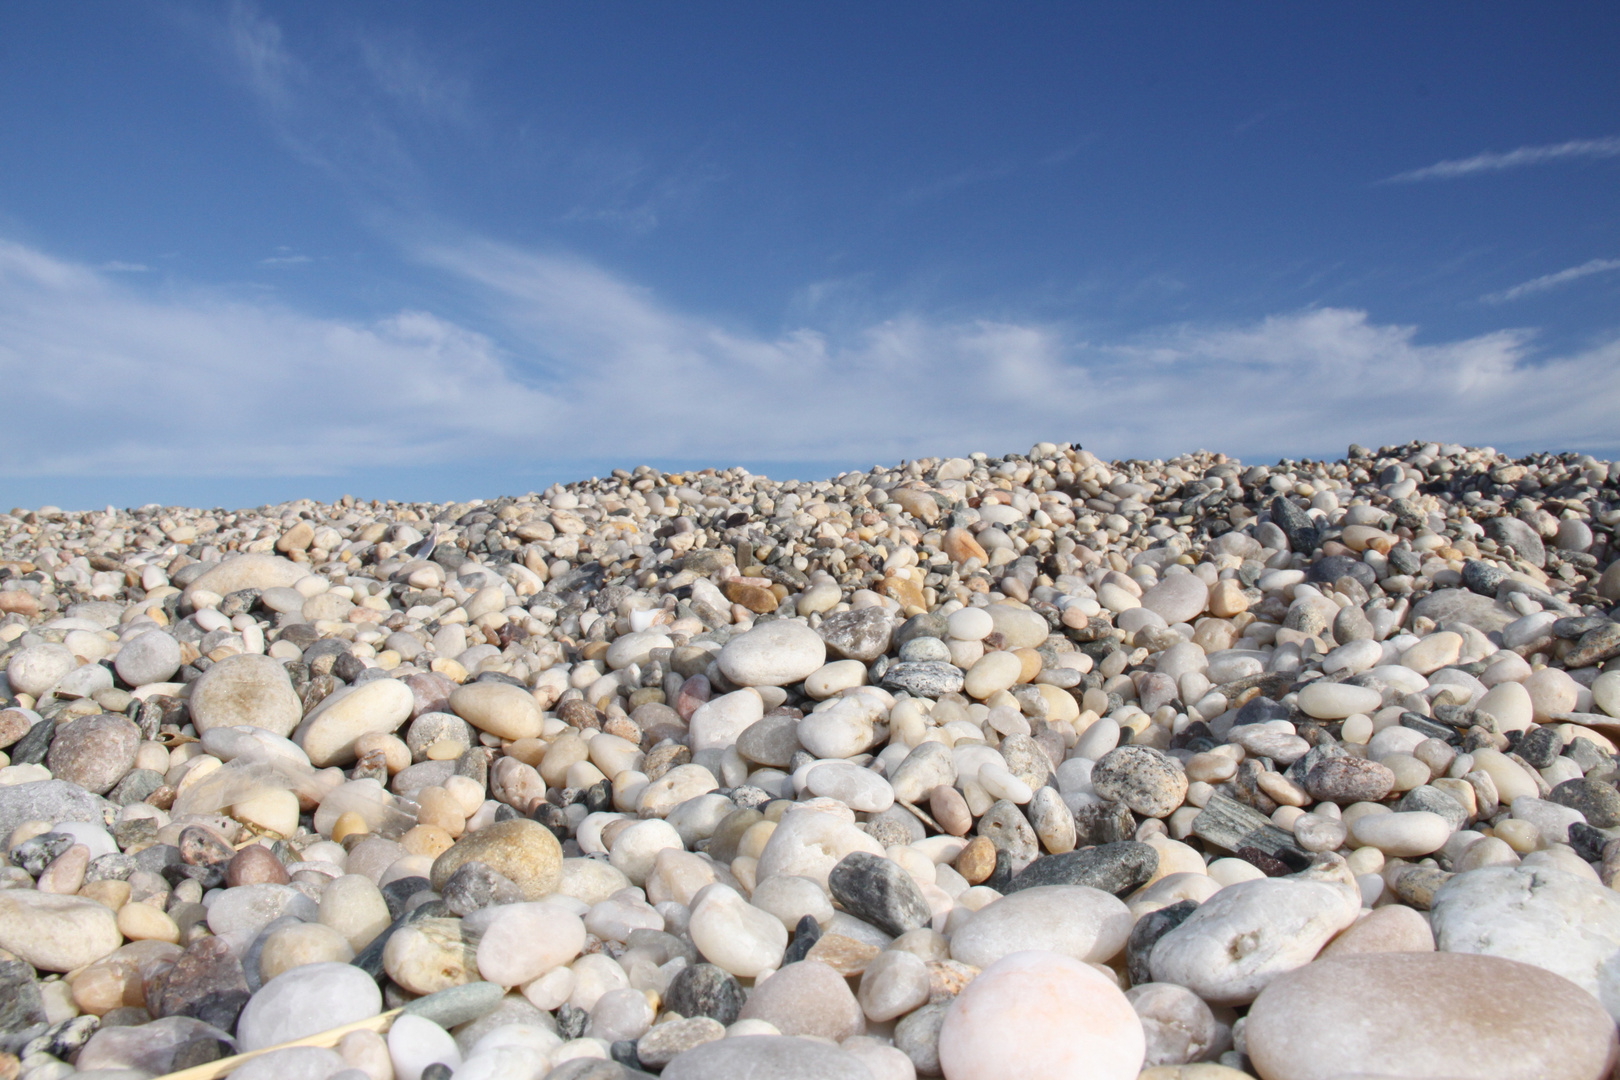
x=776 y=653
x=1041 y=1014
x=500 y=709
x=245 y=689
x=523 y=851
x=306 y=1001
x=1178 y=598
x=329 y=732
x=1335 y=701
x=1554 y=920
x=248 y=572
x=1071 y=920
x=1247 y=934
x=56 y=933
x=1427 y=1014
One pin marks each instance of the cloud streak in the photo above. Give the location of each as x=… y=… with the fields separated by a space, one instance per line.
x=578 y=364
x=1553 y=281
x=1491 y=161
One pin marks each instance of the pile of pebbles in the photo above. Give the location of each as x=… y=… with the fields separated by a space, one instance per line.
x=1033 y=766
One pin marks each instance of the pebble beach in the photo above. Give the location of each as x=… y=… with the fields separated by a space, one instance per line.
x=1035 y=767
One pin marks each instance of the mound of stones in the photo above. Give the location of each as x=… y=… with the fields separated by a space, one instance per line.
x=982 y=768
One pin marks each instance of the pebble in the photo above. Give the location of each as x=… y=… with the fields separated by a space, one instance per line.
x=1547 y=918
x=56 y=933
x=524 y=852
x=1146 y=780
x=245 y=689
x=1041 y=1014
x=1427 y=1014
x=1083 y=923
x=1249 y=933
x=776 y=653
x=305 y=1001
x=807 y=998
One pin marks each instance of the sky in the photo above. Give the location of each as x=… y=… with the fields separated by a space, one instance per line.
x=251 y=252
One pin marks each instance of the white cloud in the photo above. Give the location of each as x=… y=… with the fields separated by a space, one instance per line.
x=1552 y=281
x=286 y=260
x=116 y=267
x=1513 y=159
x=583 y=365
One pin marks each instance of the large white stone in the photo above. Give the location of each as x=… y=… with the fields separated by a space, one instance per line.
x=775 y=653
x=1535 y=915
x=306 y=1001
x=1071 y=920
x=56 y=933
x=717 y=722
x=1249 y=933
x=1040 y=1014
x=329 y=732
x=245 y=689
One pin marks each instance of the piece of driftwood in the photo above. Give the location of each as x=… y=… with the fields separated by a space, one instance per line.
x=215 y=1070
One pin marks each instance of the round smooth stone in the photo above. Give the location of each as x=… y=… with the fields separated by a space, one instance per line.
x=1427 y=1014
x=329 y=732
x=718 y=722
x=500 y=709
x=807 y=998
x=1247 y=934
x=246 y=689
x=970 y=624
x=414 y=1043
x=1404 y=834
x=1335 y=701
x=735 y=936
x=150 y=657
x=776 y=653
x=37 y=668
x=299 y=944
x=524 y=941
x=1178 y=598
x=1070 y=920
x=523 y=851
x=306 y=1001
x=1148 y=781
x=857 y=788
x=1018 y=626
x=94 y=751
x=635 y=648
x=1041 y=1014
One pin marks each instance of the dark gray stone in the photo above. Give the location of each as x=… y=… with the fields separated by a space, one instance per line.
x=1146 y=934
x=1483 y=578
x=1114 y=868
x=879 y=891
x=206 y=983
x=1600 y=802
x=924 y=678
x=21 y=1006
x=1540 y=746
x=705 y=990
x=1513 y=533
x=36 y=853
x=475 y=885
x=1296 y=524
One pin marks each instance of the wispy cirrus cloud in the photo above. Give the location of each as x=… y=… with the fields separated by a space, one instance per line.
x=1553 y=281
x=1491 y=161
x=117 y=266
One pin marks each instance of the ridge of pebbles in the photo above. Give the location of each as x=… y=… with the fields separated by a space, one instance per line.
x=980 y=767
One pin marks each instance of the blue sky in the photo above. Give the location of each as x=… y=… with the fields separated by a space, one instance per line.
x=254 y=252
